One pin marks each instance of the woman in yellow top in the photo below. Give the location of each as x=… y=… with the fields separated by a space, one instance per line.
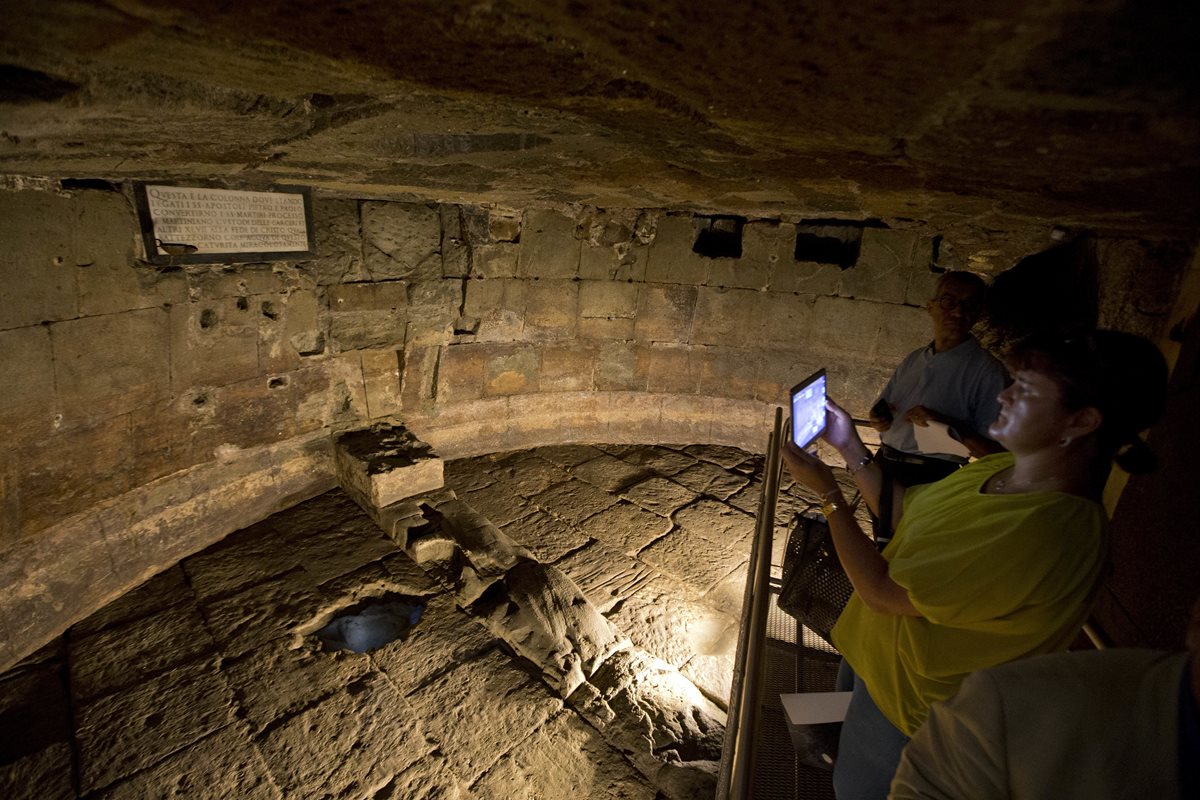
x=996 y=562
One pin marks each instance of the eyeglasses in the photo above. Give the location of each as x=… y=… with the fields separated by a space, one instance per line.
x=948 y=302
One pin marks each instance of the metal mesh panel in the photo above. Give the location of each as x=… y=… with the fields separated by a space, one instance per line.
x=790 y=667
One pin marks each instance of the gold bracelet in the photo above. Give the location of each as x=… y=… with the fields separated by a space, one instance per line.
x=832 y=502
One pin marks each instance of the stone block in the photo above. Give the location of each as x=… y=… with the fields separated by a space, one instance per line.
x=665 y=313
x=527 y=474
x=660 y=495
x=606 y=329
x=546 y=536
x=418 y=371
x=504 y=225
x=111 y=364
x=728 y=372
x=541 y=614
x=401 y=240
x=692 y=558
x=494 y=260
x=717 y=522
x=37 y=265
x=499 y=306
x=567 y=368
x=902 y=330
x=355 y=739
x=381 y=381
x=498 y=503
x=610 y=473
x=670 y=368
x=710 y=479
x=574 y=501
x=805 y=277
x=459 y=710
x=671 y=259
x=368 y=315
x=565 y=758
x=27 y=364
x=658 y=618
x=617 y=367
x=264 y=612
x=461 y=372
x=728 y=317
x=608 y=299
x=244 y=280
x=760 y=254
x=279 y=679
x=221 y=765
x=385 y=464
x=116 y=658
x=213 y=343
x=129 y=731
x=51 y=487
x=884 y=266
x=787 y=320
x=444 y=638
x=511 y=370
x=549 y=246
x=627 y=528
x=289 y=329
x=922 y=280
x=337 y=234
x=551 y=310
x=846 y=327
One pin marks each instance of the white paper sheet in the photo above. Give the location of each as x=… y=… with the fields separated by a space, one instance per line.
x=935 y=438
x=815 y=708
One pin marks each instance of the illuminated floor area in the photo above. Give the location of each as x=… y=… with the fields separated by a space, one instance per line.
x=209 y=680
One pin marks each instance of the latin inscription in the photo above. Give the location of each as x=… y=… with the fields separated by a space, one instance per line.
x=195 y=220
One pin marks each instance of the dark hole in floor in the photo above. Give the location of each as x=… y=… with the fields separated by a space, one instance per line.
x=373 y=623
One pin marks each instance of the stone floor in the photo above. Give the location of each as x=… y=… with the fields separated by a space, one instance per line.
x=207 y=681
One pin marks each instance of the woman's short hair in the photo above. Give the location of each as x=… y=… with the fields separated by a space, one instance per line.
x=1121 y=374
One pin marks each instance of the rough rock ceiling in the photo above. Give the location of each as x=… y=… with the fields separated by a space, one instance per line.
x=976 y=115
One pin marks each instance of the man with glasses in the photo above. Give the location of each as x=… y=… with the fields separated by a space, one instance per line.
x=952 y=381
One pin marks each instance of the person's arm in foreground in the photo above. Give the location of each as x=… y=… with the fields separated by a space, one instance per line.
x=959 y=752
x=865 y=567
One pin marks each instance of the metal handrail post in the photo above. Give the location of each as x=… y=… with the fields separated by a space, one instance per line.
x=737 y=757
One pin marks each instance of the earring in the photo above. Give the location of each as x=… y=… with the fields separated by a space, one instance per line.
x=1065 y=441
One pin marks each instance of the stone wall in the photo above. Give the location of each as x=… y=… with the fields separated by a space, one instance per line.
x=131 y=389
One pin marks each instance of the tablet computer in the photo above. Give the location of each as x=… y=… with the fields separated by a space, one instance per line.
x=808 y=409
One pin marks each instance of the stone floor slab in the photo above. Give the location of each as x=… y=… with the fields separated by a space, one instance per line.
x=568 y=455
x=350 y=745
x=498 y=502
x=627 y=527
x=719 y=523
x=35 y=734
x=445 y=638
x=482 y=703
x=658 y=619
x=128 y=731
x=574 y=501
x=709 y=479
x=691 y=558
x=660 y=495
x=220 y=766
x=527 y=473
x=165 y=589
x=611 y=474
x=120 y=656
x=607 y=576
x=270 y=610
x=663 y=460
x=566 y=759
x=546 y=536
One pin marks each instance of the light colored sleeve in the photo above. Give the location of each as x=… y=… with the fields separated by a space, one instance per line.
x=961 y=750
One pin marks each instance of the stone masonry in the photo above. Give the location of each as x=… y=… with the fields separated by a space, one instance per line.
x=207 y=681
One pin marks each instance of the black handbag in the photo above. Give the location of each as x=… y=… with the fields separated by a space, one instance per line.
x=814 y=588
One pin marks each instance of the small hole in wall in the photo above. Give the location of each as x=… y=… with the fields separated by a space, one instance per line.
x=200 y=400
x=828 y=242
x=243 y=304
x=720 y=237
x=373 y=623
x=275 y=383
x=208 y=318
x=269 y=311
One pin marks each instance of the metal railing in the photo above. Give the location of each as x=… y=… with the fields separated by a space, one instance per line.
x=737 y=755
